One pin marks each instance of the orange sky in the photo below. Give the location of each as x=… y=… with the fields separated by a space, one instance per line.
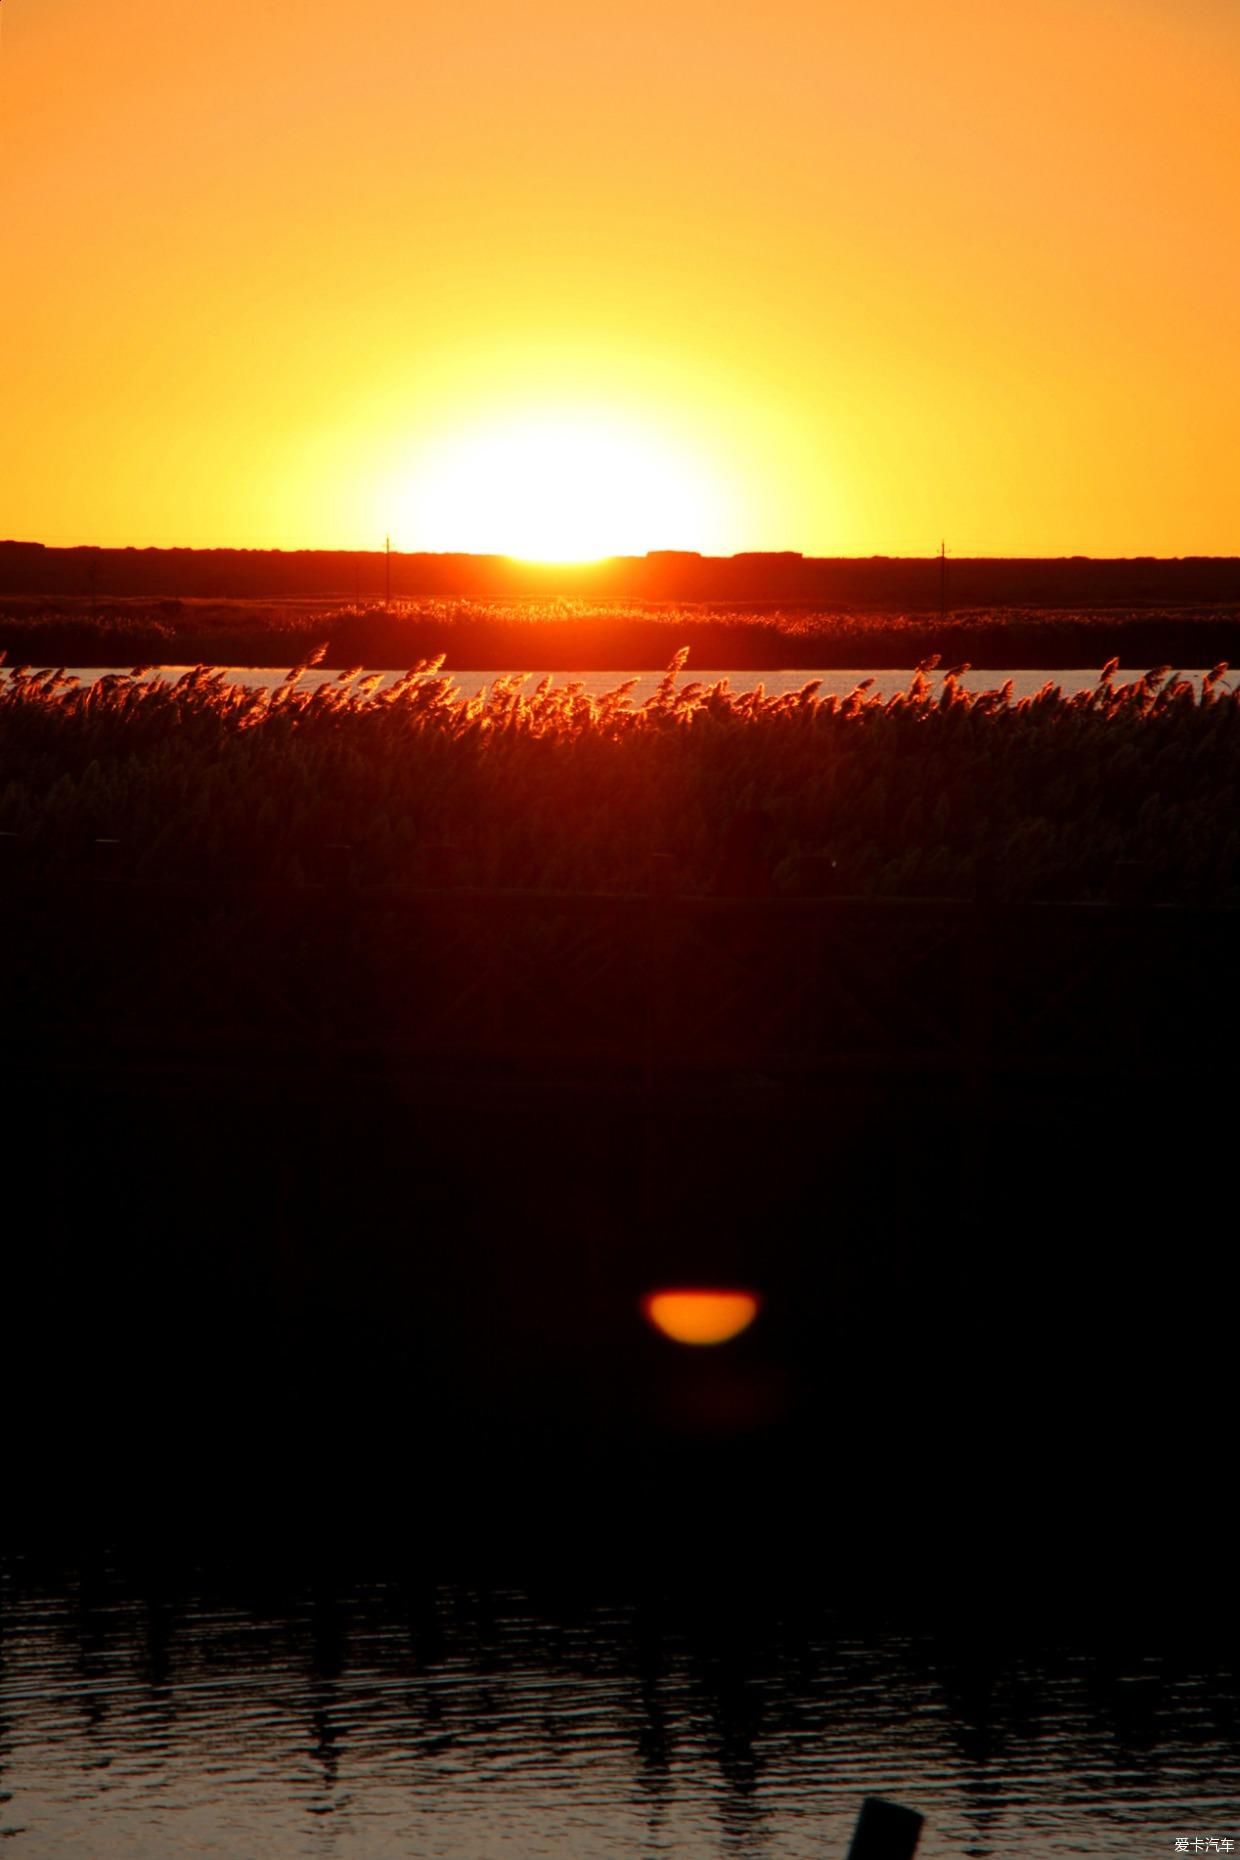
x=557 y=278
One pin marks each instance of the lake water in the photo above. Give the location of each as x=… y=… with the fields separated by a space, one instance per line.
x=219 y=1717
x=840 y=683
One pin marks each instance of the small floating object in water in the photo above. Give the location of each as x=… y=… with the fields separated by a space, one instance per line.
x=885 y=1831
x=701 y=1314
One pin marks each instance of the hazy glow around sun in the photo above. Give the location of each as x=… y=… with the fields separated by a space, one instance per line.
x=560 y=487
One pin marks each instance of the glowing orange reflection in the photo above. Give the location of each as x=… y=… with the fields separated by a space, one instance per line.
x=701 y=1314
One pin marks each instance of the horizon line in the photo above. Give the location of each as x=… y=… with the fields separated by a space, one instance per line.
x=598 y=561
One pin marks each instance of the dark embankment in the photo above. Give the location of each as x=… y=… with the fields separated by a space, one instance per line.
x=340 y=1174
x=108 y=607
x=886 y=583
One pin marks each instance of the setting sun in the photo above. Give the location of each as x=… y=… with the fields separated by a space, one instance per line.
x=560 y=487
x=701 y=1315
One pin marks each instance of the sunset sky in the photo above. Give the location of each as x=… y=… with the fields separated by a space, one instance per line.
x=560 y=279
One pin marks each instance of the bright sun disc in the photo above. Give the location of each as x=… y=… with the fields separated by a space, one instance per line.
x=701 y=1315
x=561 y=488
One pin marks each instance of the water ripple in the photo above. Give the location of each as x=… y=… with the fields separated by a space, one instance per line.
x=466 y=1724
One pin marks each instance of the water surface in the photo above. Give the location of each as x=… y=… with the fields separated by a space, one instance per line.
x=452 y=1722
x=884 y=681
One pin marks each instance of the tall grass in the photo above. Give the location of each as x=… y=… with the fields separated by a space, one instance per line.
x=602 y=636
x=534 y=783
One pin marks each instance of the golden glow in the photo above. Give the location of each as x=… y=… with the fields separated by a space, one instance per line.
x=701 y=1315
x=837 y=278
x=559 y=488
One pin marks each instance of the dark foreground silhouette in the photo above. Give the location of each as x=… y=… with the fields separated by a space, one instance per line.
x=275 y=1271
x=334 y=1194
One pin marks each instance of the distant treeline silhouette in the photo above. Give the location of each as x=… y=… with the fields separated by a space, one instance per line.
x=555 y=635
x=749 y=579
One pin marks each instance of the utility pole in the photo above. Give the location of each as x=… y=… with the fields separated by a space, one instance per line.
x=942 y=580
x=387 y=574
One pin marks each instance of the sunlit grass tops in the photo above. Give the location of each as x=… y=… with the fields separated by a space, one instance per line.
x=536 y=782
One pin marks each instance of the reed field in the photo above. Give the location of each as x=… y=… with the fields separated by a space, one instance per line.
x=537 y=784
x=609 y=636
